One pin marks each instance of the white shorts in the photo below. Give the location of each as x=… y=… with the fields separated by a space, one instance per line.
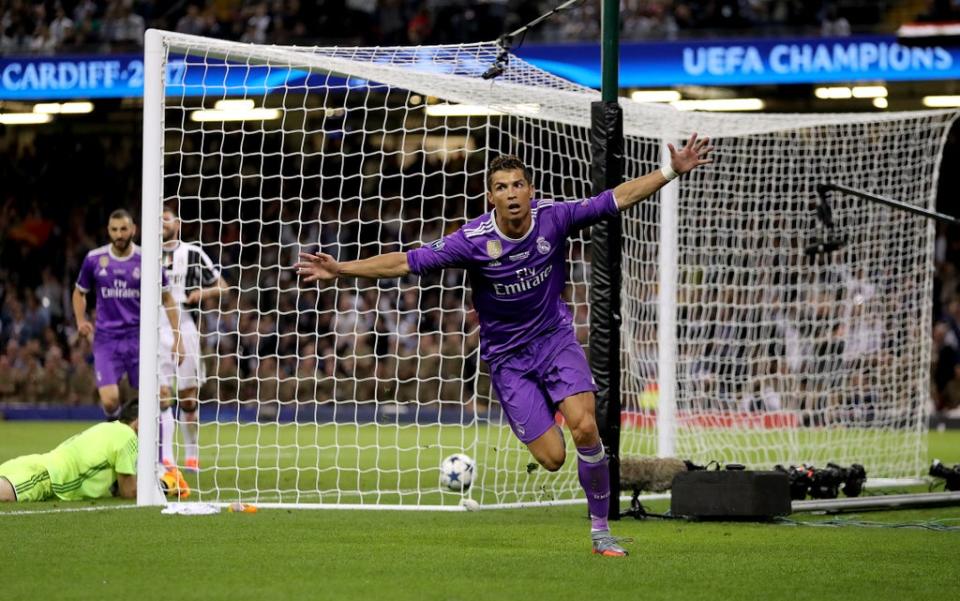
x=190 y=373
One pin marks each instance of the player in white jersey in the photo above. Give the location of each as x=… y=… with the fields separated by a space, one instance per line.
x=193 y=278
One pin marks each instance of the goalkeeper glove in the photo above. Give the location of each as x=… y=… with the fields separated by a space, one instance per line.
x=174 y=485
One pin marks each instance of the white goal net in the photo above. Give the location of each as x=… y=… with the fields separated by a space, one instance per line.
x=350 y=395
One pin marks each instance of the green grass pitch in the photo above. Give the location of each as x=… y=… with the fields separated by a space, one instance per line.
x=497 y=554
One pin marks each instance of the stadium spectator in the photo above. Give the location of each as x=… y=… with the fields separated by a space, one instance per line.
x=834 y=24
x=122 y=27
x=61 y=27
x=941 y=10
x=50 y=293
x=53 y=377
x=119 y=24
x=81 y=380
x=192 y=22
x=8 y=382
x=945 y=360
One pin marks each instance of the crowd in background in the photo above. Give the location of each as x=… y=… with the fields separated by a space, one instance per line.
x=46 y=26
x=946 y=330
x=268 y=339
x=271 y=340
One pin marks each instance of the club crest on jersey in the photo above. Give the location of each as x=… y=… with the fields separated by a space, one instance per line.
x=494 y=249
x=543 y=247
x=136 y=273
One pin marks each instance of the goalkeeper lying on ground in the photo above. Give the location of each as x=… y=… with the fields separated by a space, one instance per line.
x=85 y=466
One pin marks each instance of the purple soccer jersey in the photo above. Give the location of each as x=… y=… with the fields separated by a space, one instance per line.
x=517 y=283
x=116 y=283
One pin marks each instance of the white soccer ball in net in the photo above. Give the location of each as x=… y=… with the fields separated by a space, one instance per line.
x=456 y=472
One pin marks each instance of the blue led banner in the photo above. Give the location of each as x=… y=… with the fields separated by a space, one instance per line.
x=714 y=62
x=121 y=76
x=752 y=62
x=67 y=78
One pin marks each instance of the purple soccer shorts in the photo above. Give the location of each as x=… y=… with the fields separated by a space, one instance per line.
x=532 y=381
x=114 y=356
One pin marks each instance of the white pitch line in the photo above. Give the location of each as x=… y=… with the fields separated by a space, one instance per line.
x=66 y=510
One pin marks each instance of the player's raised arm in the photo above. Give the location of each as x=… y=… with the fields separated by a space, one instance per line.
x=324 y=267
x=696 y=152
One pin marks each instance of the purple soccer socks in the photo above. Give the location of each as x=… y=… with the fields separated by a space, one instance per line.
x=592 y=467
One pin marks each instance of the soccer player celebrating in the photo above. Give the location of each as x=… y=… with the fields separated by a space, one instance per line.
x=193 y=278
x=85 y=466
x=114 y=270
x=515 y=256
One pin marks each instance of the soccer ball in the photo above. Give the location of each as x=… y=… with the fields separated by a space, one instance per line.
x=456 y=472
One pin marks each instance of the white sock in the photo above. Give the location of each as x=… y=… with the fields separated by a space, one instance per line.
x=190 y=426
x=166 y=435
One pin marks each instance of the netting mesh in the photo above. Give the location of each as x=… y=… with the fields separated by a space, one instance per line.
x=784 y=357
x=353 y=393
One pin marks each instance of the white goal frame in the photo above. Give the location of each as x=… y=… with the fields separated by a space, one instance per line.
x=569 y=107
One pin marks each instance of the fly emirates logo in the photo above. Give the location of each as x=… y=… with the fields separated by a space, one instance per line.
x=119 y=290
x=527 y=279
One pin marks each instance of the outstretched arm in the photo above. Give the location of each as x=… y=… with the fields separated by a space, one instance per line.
x=695 y=153
x=324 y=267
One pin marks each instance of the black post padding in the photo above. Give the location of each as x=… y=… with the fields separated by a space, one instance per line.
x=606 y=146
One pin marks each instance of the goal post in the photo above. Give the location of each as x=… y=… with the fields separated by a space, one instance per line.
x=350 y=395
x=148 y=489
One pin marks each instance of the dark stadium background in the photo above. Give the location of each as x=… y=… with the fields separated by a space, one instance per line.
x=59 y=181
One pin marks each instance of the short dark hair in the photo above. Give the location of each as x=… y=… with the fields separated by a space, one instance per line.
x=507 y=162
x=121 y=214
x=129 y=411
x=170 y=209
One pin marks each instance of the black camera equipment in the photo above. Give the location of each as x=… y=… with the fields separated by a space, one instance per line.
x=799 y=477
x=950 y=474
x=827 y=481
x=830 y=239
x=824 y=483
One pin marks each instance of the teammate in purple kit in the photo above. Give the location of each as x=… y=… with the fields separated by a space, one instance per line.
x=114 y=272
x=515 y=257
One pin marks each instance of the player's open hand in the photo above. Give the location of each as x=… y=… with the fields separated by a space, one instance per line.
x=320 y=266
x=696 y=152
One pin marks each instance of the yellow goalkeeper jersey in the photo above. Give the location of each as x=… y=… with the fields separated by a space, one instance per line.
x=85 y=466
